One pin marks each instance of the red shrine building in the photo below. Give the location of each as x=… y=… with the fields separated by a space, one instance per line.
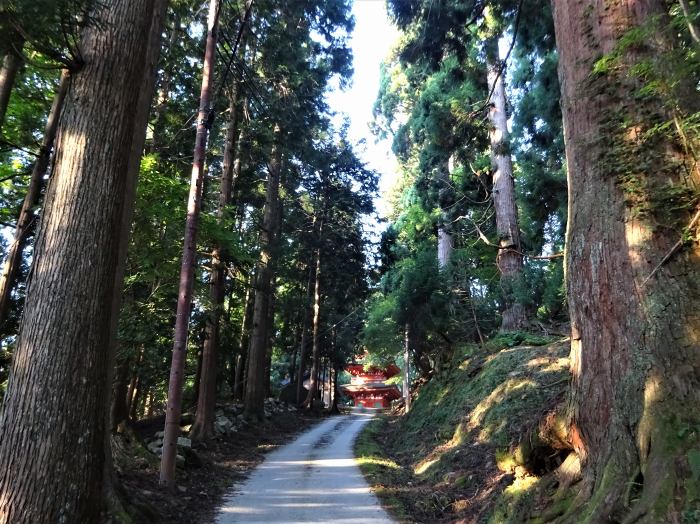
x=368 y=387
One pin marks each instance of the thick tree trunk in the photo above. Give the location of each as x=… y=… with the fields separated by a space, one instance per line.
x=8 y=72
x=635 y=325
x=255 y=383
x=316 y=324
x=61 y=369
x=26 y=217
x=509 y=258
x=184 y=300
x=203 y=427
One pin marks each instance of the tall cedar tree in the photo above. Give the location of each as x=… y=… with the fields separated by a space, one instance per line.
x=54 y=422
x=184 y=298
x=634 y=294
x=264 y=276
x=203 y=427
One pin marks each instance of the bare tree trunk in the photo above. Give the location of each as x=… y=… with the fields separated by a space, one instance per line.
x=120 y=408
x=203 y=428
x=692 y=27
x=26 y=218
x=133 y=385
x=316 y=353
x=295 y=352
x=633 y=298
x=10 y=67
x=163 y=91
x=184 y=301
x=268 y=346
x=336 y=391
x=135 y=398
x=198 y=372
x=445 y=241
x=508 y=259
x=241 y=360
x=255 y=383
x=61 y=376
x=406 y=367
x=303 y=346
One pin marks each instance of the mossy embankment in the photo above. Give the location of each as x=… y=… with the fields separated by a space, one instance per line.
x=470 y=450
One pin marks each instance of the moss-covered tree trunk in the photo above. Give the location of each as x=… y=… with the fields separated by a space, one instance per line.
x=635 y=323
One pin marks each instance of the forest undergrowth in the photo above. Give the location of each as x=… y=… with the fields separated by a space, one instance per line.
x=209 y=470
x=471 y=447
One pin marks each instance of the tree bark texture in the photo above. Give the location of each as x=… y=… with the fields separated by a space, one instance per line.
x=303 y=346
x=184 y=299
x=255 y=383
x=241 y=359
x=635 y=331
x=203 y=427
x=315 y=327
x=269 y=342
x=55 y=418
x=508 y=259
x=8 y=72
x=26 y=217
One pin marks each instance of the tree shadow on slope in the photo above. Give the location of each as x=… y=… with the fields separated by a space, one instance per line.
x=469 y=435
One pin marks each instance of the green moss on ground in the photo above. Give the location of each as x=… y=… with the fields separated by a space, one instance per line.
x=466 y=447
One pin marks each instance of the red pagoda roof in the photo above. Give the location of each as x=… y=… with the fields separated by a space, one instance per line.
x=359 y=369
x=390 y=392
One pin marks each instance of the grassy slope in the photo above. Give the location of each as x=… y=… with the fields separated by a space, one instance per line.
x=464 y=451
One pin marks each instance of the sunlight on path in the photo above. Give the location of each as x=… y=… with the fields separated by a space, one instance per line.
x=313 y=479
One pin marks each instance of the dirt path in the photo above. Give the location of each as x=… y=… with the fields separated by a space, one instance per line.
x=313 y=479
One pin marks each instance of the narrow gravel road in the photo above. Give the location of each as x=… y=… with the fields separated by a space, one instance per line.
x=313 y=479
